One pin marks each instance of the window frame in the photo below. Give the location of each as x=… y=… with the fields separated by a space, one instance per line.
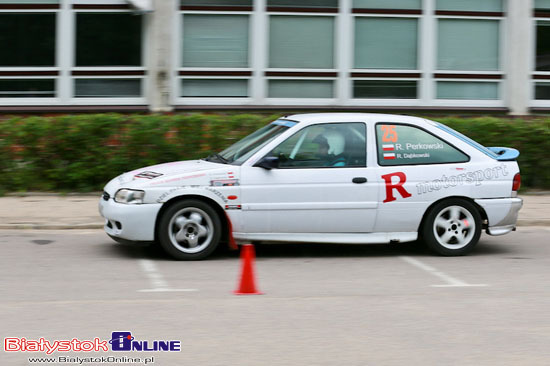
x=302 y=74
x=537 y=77
x=371 y=74
x=422 y=129
x=36 y=72
x=493 y=76
x=205 y=73
x=108 y=72
x=63 y=72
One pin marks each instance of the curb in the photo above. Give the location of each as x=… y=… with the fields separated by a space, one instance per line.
x=533 y=222
x=49 y=226
x=52 y=194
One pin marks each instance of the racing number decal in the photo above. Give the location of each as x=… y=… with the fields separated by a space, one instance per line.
x=389 y=133
x=398 y=186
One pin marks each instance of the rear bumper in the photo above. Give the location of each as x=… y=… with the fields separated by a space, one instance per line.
x=502 y=214
x=129 y=222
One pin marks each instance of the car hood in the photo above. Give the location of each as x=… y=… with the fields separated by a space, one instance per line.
x=178 y=173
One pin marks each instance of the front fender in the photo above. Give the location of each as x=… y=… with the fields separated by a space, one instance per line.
x=217 y=194
x=227 y=198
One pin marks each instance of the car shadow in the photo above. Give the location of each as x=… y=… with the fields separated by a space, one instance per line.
x=305 y=250
x=286 y=250
x=337 y=250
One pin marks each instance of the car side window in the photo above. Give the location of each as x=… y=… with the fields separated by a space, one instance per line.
x=329 y=145
x=409 y=145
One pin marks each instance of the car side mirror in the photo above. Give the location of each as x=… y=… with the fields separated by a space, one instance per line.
x=268 y=162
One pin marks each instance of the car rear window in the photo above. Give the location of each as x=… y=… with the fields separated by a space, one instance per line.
x=400 y=144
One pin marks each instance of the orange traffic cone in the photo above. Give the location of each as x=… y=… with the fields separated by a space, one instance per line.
x=247 y=285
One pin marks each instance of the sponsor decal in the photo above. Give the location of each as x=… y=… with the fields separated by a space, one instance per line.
x=217 y=193
x=415 y=156
x=224 y=182
x=398 y=186
x=403 y=151
x=163 y=196
x=233 y=207
x=171 y=180
x=476 y=177
x=390 y=135
x=148 y=175
x=169 y=192
x=435 y=146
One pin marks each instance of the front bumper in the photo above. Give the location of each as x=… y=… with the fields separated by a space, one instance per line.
x=129 y=222
x=502 y=214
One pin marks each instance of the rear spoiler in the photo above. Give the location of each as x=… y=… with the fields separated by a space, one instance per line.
x=505 y=153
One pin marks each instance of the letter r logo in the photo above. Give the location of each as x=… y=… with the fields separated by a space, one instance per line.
x=398 y=186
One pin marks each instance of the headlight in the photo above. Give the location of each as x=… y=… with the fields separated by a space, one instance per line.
x=129 y=196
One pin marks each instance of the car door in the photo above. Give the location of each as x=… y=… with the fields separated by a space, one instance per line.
x=321 y=184
x=416 y=168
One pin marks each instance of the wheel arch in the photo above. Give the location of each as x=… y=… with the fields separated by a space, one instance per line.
x=480 y=209
x=209 y=201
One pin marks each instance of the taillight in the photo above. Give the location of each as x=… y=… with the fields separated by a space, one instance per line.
x=517 y=182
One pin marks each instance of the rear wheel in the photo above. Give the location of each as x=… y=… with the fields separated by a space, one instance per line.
x=189 y=230
x=452 y=227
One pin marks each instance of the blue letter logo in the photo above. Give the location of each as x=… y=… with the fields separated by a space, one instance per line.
x=121 y=341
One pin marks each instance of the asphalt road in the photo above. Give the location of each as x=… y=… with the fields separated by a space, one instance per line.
x=323 y=304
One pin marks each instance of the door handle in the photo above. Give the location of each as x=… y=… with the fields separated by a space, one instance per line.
x=359 y=180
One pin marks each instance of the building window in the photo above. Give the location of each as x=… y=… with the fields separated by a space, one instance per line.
x=385 y=89
x=467 y=90
x=208 y=88
x=388 y=4
x=542 y=91
x=468 y=44
x=27 y=88
x=300 y=88
x=107 y=88
x=386 y=43
x=542 y=7
x=246 y=3
x=470 y=5
x=543 y=45
x=215 y=41
x=108 y=39
x=19 y=2
x=301 y=42
x=303 y=3
x=27 y=39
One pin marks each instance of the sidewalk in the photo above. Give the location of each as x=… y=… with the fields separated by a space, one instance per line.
x=81 y=212
x=50 y=212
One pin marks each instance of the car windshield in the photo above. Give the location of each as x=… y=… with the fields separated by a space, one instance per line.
x=240 y=151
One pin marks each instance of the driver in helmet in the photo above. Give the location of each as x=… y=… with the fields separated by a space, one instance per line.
x=323 y=154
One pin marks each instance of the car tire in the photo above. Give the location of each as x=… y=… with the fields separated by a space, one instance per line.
x=452 y=227
x=189 y=230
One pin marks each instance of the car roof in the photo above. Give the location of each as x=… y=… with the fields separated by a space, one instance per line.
x=352 y=117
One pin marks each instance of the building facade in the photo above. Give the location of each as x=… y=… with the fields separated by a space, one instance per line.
x=163 y=55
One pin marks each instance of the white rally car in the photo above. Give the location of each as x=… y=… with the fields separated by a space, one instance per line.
x=330 y=178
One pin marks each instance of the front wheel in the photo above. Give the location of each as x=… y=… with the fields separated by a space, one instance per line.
x=452 y=227
x=189 y=230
